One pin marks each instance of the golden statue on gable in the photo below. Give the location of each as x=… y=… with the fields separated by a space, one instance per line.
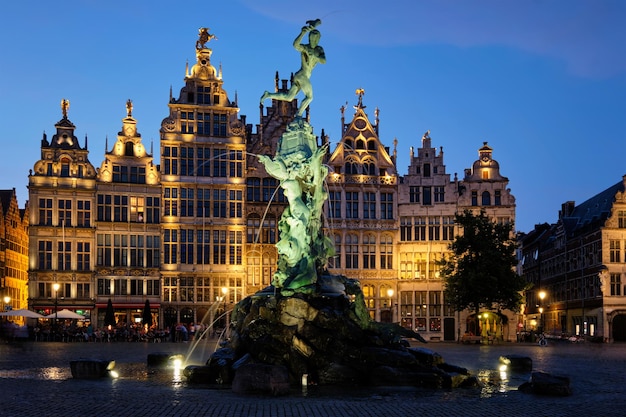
x=203 y=37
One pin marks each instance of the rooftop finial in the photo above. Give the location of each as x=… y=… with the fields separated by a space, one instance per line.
x=65 y=106
x=129 y=108
x=203 y=37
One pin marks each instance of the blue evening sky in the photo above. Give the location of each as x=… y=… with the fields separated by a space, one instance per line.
x=542 y=81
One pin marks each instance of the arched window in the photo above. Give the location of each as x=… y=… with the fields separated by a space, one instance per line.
x=369 y=251
x=352 y=251
x=369 y=296
x=386 y=252
x=371 y=145
x=360 y=144
x=351 y=168
x=486 y=198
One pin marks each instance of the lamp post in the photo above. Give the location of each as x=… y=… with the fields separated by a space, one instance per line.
x=56 y=287
x=6 y=300
x=542 y=296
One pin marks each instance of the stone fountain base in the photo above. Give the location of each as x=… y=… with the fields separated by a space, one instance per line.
x=328 y=337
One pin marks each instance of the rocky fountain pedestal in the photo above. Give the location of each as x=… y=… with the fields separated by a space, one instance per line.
x=324 y=338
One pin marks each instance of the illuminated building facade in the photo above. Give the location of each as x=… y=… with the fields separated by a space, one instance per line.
x=62 y=197
x=361 y=211
x=579 y=263
x=13 y=252
x=127 y=242
x=203 y=191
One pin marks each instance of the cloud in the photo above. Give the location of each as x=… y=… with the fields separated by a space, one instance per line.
x=589 y=36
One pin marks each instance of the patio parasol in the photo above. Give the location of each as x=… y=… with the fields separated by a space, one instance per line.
x=64 y=314
x=22 y=313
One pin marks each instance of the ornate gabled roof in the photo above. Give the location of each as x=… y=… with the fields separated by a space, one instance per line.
x=594 y=210
x=359 y=142
x=64 y=137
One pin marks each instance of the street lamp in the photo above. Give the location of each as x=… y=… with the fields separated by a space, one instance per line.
x=56 y=287
x=542 y=296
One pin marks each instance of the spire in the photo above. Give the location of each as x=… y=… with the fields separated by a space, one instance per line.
x=219 y=72
x=106 y=143
x=236 y=99
x=86 y=146
x=171 y=96
x=187 y=68
x=151 y=146
x=276 y=82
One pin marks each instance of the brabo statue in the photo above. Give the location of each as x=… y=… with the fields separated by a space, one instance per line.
x=311 y=55
x=298 y=165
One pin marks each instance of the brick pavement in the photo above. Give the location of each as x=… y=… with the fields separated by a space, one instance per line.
x=35 y=381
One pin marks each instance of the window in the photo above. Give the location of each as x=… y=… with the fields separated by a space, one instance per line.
x=170 y=246
x=203 y=126
x=186 y=202
x=120 y=208
x=136 y=286
x=45 y=211
x=203 y=155
x=153 y=287
x=369 y=251
x=220 y=161
x=235 y=204
x=137 y=250
x=497 y=198
x=45 y=254
x=614 y=251
x=616 y=284
x=253 y=190
x=186 y=246
x=203 y=242
x=83 y=213
x=104 y=207
x=186 y=161
x=187 y=122
x=434 y=230
x=219 y=124
x=386 y=252
x=219 y=203
x=170 y=195
x=65 y=212
x=419 y=226
x=352 y=251
x=120 y=250
x=440 y=194
x=104 y=286
x=83 y=256
x=406 y=229
x=104 y=250
x=64 y=256
x=352 y=205
x=253 y=229
x=236 y=164
x=448 y=228
x=334 y=204
x=137 y=209
x=120 y=286
x=153 y=251
x=153 y=209
x=427 y=196
x=170 y=159
x=83 y=290
x=426 y=170
x=203 y=95
x=219 y=247
x=369 y=205
x=474 y=198
x=414 y=194
x=386 y=206
x=621 y=219
x=486 y=198
x=434 y=304
x=235 y=248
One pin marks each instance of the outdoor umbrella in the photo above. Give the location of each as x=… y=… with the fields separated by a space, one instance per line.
x=146 y=317
x=22 y=313
x=64 y=314
x=109 y=315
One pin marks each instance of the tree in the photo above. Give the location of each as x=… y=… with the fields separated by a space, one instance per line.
x=481 y=270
